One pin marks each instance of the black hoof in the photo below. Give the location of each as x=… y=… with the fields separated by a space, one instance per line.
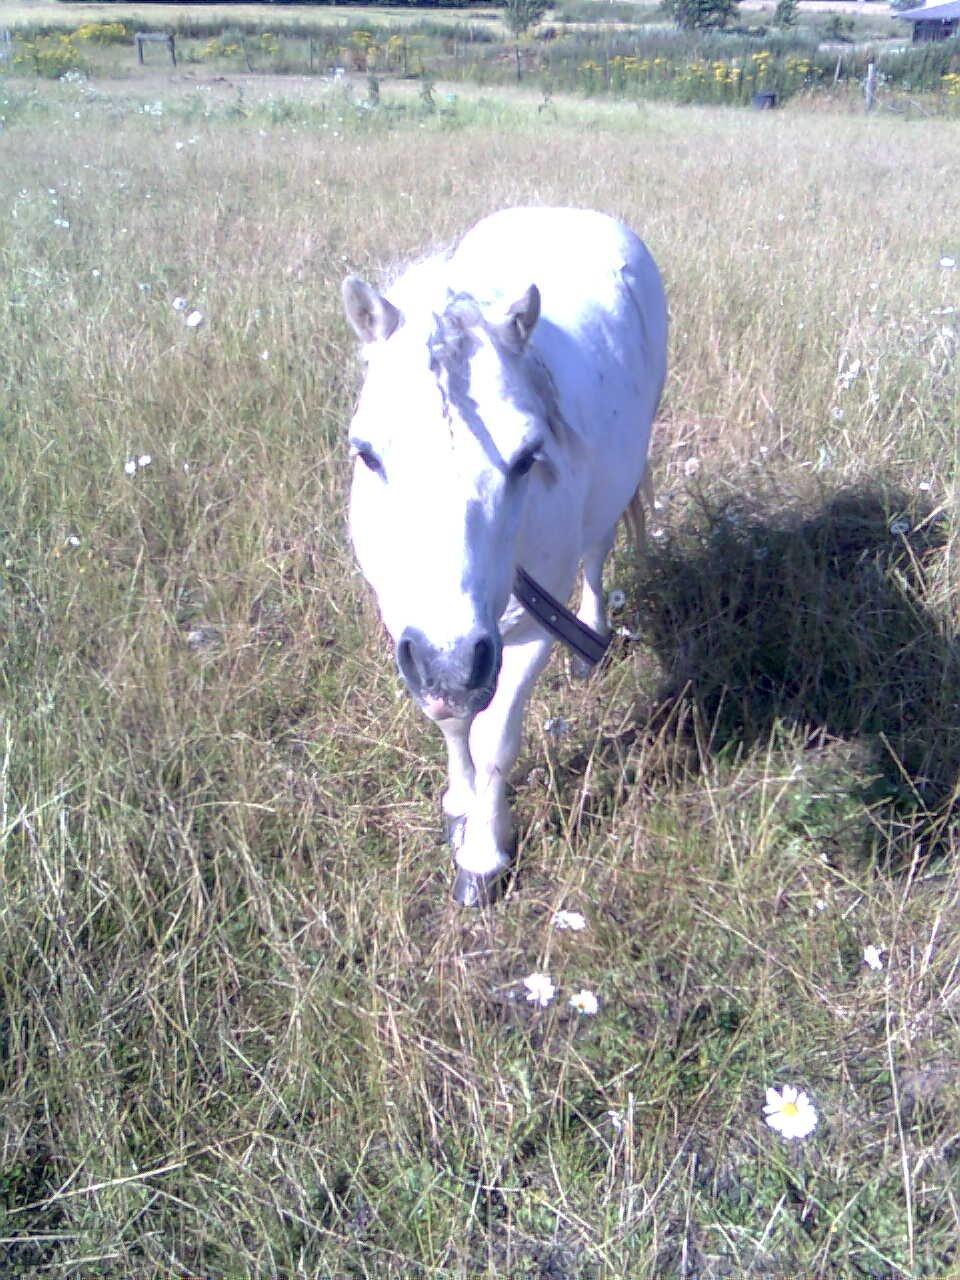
x=454 y=830
x=473 y=890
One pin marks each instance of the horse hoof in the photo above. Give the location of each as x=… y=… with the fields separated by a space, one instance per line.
x=454 y=830
x=470 y=889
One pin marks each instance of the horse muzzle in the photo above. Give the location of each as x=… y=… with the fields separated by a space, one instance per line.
x=451 y=683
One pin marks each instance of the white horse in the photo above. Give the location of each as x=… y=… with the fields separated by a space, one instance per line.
x=502 y=424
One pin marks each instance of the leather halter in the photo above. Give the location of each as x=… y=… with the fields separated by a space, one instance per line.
x=558 y=620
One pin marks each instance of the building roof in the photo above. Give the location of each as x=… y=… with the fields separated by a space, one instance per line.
x=932 y=13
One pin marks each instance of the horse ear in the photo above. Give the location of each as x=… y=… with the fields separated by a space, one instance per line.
x=371 y=316
x=521 y=318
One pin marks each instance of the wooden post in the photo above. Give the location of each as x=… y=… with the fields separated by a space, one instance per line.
x=870 y=88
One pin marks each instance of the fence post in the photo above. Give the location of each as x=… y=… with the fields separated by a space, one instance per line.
x=870 y=88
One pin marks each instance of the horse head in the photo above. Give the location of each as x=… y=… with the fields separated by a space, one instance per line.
x=450 y=426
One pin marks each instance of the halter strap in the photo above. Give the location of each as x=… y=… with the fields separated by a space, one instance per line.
x=558 y=620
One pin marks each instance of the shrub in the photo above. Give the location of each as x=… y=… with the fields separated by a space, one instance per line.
x=699 y=15
x=50 y=56
x=521 y=15
x=785 y=14
x=838 y=28
x=102 y=33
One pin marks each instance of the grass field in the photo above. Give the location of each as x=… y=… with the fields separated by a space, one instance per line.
x=54 y=13
x=632 y=53
x=243 y=1032
x=22 y=13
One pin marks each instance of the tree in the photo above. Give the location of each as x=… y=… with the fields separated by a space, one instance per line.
x=521 y=15
x=785 y=14
x=691 y=15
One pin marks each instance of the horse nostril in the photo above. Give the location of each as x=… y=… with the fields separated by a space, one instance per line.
x=484 y=662
x=407 y=662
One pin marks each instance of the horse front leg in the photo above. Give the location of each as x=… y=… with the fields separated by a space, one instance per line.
x=459 y=795
x=485 y=851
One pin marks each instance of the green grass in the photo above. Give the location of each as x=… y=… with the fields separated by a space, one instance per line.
x=242 y=1029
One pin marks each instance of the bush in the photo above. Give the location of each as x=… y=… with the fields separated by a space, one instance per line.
x=785 y=14
x=102 y=33
x=50 y=56
x=699 y=15
x=838 y=28
x=521 y=15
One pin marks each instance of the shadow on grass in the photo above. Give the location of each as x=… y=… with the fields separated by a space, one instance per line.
x=818 y=617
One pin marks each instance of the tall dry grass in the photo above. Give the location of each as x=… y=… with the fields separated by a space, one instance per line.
x=243 y=1030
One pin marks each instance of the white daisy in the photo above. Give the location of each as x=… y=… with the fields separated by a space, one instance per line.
x=540 y=990
x=179 y=304
x=790 y=1112
x=873 y=957
x=144 y=460
x=194 y=320
x=130 y=466
x=585 y=1002
x=569 y=920
x=616 y=599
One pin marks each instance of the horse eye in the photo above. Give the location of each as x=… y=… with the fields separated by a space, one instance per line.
x=368 y=458
x=524 y=463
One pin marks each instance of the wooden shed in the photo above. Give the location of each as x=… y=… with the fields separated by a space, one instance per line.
x=933 y=21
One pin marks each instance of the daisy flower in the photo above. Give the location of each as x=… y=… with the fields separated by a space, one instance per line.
x=873 y=957
x=194 y=320
x=790 y=1112
x=585 y=1002
x=540 y=990
x=569 y=920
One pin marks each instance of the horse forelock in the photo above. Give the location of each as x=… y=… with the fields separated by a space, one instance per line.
x=452 y=332
x=454 y=337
